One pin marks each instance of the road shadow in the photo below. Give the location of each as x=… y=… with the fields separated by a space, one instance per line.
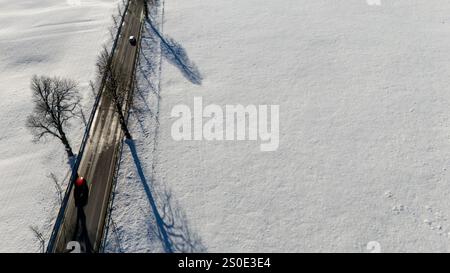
x=71 y=161
x=176 y=55
x=81 y=234
x=147 y=83
x=141 y=109
x=171 y=223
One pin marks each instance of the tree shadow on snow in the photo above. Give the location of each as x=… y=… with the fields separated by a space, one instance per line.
x=171 y=223
x=176 y=55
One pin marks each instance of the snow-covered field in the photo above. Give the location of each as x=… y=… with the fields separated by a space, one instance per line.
x=364 y=129
x=364 y=124
x=55 y=38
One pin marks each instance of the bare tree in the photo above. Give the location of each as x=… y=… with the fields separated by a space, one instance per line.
x=93 y=89
x=103 y=61
x=116 y=20
x=56 y=102
x=40 y=237
x=83 y=117
x=58 y=187
x=115 y=88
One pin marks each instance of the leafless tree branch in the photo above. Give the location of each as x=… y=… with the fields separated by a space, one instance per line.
x=39 y=236
x=58 y=187
x=56 y=102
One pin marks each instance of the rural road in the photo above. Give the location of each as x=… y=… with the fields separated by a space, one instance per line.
x=99 y=160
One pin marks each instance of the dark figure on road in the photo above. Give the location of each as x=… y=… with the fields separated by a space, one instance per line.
x=132 y=40
x=81 y=195
x=81 y=192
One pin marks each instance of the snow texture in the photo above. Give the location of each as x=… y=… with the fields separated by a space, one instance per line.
x=54 y=38
x=364 y=129
x=364 y=125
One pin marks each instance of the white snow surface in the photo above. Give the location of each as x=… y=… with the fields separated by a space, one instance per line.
x=46 y=37
x=364 y=129
x=364 y=125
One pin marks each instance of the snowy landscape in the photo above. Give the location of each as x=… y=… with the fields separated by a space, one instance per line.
x=55 y=38
x=361 y=163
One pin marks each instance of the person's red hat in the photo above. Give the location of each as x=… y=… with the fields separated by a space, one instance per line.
x=80 y=181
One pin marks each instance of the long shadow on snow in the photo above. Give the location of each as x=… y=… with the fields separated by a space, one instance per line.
x=177 y=55
x=172 y=228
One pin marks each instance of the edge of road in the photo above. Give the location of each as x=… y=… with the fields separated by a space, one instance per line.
x=51 y=246
x=108 y=218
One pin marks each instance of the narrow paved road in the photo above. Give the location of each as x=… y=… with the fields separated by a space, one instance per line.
x=100 y=157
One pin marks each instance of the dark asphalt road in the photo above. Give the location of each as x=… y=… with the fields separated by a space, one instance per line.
x=100 y=157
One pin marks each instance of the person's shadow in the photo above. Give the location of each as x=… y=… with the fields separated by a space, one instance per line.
x=81 y=234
